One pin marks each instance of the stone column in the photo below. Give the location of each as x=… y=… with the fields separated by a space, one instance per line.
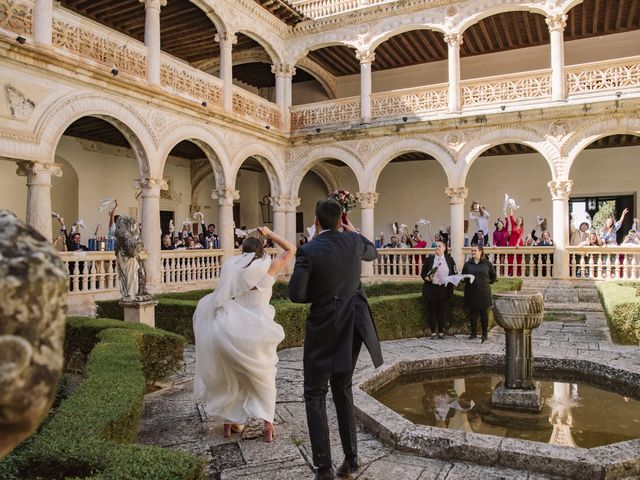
x=560 y=192
x=151 y=229
x=367 y=204
x=556 y=25
x=43 y=22
x=39 y=193
x=366 y=58
x=456 y=203
x=225 y=197
x=227 y=40
x=152 y=39
x=284 y=74
x=280 y=206
x=454 y=40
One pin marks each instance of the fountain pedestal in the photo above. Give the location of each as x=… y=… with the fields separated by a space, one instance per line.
x=518 y=314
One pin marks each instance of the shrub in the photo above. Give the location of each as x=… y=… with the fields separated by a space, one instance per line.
x=87 y=435
x=622 y=308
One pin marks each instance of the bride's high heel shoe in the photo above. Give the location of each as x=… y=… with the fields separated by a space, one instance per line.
x=268 y=432
x=226 y=432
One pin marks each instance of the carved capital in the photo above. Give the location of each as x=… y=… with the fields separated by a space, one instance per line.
x=284 y=203
x=225 y=196
x=283 y=70
x=226 y=39
x=560 y=189
x=556 y=23
x=156 y=4
x=38 y=173
x=453 y=39
x=150 y=186
x=456 y=195
x=367 y=199
x=366 y=56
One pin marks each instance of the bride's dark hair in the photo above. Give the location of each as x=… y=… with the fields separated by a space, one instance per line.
x=253 y=245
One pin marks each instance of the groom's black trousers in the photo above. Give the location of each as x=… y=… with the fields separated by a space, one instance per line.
x=315 y=392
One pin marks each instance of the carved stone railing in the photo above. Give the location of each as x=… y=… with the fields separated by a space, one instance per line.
x=16 y=16
x=255 y=108
x=325 y=8
x=93 y=42
x=91 y=272
x=194 y=269
x=518 y=262
x=410 y=101
x=400 y=263
x=604 y=263
x=330 y=112
x=507 y=88
x=608 y=75
x=182 y=79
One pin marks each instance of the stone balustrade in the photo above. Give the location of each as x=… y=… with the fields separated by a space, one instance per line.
x=518 y=87
x=326 y=8
x=91 y=272
x=409 y=101
x=329 y=112
x=256 y=108
x=609 y=75
x=400 y=263
x=605 y=263
x=196 y=269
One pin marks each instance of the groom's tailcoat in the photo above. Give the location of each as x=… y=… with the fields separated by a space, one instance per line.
x=327 y=275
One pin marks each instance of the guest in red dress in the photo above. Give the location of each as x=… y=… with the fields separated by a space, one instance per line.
x=500 y=239
x=516 y=235
x=419 y=242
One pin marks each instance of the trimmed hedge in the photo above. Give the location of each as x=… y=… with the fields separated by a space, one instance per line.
x=88 y=435
x=622 y=308
x=398 y=313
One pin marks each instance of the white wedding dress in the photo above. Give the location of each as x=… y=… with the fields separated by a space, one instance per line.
x=236 y=340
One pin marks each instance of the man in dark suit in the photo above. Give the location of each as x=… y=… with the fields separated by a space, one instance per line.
x=435 y=291
x=327 y=274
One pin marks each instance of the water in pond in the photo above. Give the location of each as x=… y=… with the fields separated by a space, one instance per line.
x=574 y=414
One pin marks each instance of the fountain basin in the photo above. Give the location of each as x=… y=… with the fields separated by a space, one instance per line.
x=616 y=460
x=518 y=311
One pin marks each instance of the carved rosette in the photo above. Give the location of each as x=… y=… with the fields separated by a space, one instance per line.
x=556 y=23
x=225 y=196
x=560 y=189
x=367 y=199
x=456 y=195
x=150 y=186
x=38 y=173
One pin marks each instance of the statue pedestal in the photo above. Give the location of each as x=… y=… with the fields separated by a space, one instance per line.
x=140 y=312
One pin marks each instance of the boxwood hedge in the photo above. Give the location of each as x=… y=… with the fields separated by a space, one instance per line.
x=89 y=434
x=622 y=308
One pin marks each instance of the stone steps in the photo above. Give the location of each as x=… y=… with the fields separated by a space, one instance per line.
x=565 y=295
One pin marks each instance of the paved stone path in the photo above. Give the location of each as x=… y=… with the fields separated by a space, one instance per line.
x=170 y=419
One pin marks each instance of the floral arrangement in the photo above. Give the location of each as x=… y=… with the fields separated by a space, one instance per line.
x=346 y=200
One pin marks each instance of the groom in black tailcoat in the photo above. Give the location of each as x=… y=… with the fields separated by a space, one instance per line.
x=327 y=274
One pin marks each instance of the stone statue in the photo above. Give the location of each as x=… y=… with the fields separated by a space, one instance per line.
x=129 y=247
x=33 y=295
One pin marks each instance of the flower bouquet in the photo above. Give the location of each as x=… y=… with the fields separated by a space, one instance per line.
x=346 y=200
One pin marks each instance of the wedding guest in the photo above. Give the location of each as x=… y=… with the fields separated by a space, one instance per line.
x=191 y=244
x=631 y=239
x=302 y=240
x=545 y=241
x=592 y=241
x=481 y=217
x=480 y=239
x=477 y=294
x=500 y=235
x=576 y=237
x=516 y=235
x=167 y=244
x=435 y=291
x=419 y=242
x=610 y=229
x=405 y=242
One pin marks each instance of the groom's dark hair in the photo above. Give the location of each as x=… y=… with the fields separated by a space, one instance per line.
x=328 y=213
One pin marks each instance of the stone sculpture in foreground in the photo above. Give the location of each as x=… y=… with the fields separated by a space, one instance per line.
x=33 y=296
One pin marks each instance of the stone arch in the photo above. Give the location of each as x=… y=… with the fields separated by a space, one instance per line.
x=218 y=22
x=326 y=176
x=67 y=204
x=491 y=8
x=208 y=142
x=323 y=77
x=268 y=161
x=384 y=36
x=298 y=52
x=570 y=4
x=584 y=137
x=125 y=118
x=498 y=136
x=320 y=154
x=393 y=150
x=276 y=58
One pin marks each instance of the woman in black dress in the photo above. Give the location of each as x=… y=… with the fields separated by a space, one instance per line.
x=477 y=295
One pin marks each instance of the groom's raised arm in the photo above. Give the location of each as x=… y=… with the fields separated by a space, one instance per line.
x=299 y=283
x=370 y=252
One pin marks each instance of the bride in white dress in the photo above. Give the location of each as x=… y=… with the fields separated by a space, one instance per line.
x=236 y=338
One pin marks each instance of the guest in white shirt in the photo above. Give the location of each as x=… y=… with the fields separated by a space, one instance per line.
x=436 y=292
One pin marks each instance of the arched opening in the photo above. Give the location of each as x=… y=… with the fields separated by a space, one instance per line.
x=340 y=62
x=605 y=183
x=256 y=185
x=254 y=76
x=322 y=179
x=65 y=193
x=411 y=193
x=104 y=163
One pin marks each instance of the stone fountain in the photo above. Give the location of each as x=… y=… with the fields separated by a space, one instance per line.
x=518 y=314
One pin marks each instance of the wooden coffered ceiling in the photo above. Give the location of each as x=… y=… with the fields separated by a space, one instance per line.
x=504 y=31
x=282 y=10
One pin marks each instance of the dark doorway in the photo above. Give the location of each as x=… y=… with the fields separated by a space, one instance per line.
x=165 y=217
x=300 y=223
x=236 y=214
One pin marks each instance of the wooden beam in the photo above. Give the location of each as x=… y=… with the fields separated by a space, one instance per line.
x=632 y=13
x=596 y=14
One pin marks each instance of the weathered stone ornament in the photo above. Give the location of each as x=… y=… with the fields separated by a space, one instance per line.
x=33 y=296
